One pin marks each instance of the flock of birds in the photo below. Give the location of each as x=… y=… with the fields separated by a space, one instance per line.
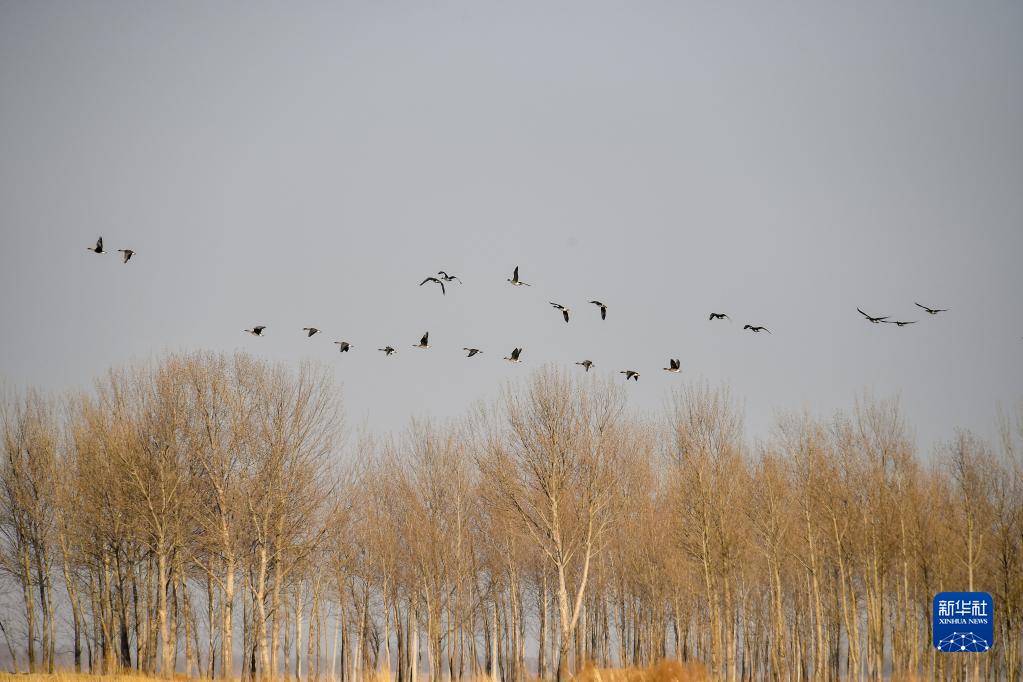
x=442 y=278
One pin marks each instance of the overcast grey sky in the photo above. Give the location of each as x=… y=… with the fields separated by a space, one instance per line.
x=297 y=164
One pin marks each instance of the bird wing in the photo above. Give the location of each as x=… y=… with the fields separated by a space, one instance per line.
x=426 y=339
x=565 y=313
x=99 y=244
x=515 y=274
x=864 y=314
x=442 y=288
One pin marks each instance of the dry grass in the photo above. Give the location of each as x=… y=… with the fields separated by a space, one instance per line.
x=665 y=671
x=73 y=677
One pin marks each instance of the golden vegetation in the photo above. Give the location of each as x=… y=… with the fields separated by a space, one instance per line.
x=207 y=516
x=664 y=671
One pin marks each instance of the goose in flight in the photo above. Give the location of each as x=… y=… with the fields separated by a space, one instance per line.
x=757 y=330
x=126 y=254
x=875 y=320
x=343 y=346
x=310 y=331
x=586 y=364
x=515 y=279
x=932 y=311
x=719 y=316
x=387 y=350
x=434 y=279
x=901 y=324
x=423 y=342
x=98 y=248
x=674 y=366
x=514 y=357
x=449 y=278
x=603 y=309
x=564 y=311
x=257 y=330
x=630 y=374
x=472 y=351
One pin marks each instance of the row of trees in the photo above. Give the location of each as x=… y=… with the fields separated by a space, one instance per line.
x=210 y=515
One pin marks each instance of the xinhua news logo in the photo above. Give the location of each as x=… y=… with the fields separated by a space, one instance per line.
x=963 y=621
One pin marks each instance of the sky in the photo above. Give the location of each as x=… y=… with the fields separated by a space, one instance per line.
x=308 y=164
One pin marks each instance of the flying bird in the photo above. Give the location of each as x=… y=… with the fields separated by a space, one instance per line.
x=564 y=311
x=310 y=331
x=98 y=248
x=603 y=309
x=719 y=316
x=514 y=357
x=674 y=366
x=472 y=351
x=257 y=330
x=515 y=279
x=932 y=311
x=757 y=330
x=586 y=364
x=343 y=346
x=448 y=278
x=434 y=279
x=875 y=320
x=387 y=350
x=901 y=324
x=126 y=254
x=423 y=342
x=630 y=374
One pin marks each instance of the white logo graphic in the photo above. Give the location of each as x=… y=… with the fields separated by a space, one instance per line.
x=963 y=641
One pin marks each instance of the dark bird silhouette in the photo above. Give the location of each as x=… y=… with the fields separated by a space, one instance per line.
x=448 y=278
x=387 y=350
x=719 y=316
x=472 y=351
x=343 y=346
x=603 y=309
x=901 y=324
x=126 y=254
x=257 y=330
x=564 y=311
x=875 y=320
x=515 y=279
x=423 y=342
x=932 y=311
x=98 y=248
x=434 y=279
x=630 y=374
x=757 y=330
x=586 y=364
x=674 y=366
x=514 y=357
x=309 y=331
